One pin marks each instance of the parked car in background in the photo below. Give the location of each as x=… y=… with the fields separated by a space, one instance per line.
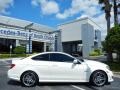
x=58 y=67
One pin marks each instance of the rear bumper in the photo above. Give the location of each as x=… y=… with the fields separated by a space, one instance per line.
x=13 y=76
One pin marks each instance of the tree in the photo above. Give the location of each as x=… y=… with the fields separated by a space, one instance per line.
x=103 y=46
x=113 y=41
x=107 y=8
x=118 y=12
x=115 y=12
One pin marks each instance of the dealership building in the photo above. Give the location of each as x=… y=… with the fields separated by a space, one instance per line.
x=80 y=36
x=35 y=37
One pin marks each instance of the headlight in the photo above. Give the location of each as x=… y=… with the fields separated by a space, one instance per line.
x=108 y=67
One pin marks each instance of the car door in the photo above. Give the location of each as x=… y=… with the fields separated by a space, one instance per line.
x=63 y=68
x=43 y=66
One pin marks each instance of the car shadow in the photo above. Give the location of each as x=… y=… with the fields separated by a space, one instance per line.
x=15 y=83
x=61 y=84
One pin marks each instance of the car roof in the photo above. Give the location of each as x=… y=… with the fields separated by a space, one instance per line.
x=48 y=53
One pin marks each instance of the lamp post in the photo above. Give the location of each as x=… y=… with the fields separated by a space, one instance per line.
x=10 y=50
x=28 y=27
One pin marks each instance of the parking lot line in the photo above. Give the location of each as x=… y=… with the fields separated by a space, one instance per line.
x=77 y=87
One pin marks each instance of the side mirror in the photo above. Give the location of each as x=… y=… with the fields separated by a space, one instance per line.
x=76 y=61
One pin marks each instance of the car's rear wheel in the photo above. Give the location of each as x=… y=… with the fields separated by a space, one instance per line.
x=98 y=78
x=29 y=79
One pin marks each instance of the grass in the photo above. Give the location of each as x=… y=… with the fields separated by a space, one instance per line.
x=114 y=66
x=12 y=55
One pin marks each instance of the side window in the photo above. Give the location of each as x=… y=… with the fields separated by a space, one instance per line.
x=43 y=57
x=60 y=57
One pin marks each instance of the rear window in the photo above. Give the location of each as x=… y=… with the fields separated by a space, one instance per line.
x=44 y=57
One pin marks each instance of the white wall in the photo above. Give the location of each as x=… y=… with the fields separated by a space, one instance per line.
x=95 y=26
x=87 y=39
x=71 y=31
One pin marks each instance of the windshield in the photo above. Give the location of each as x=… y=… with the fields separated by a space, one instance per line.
x=77 y=56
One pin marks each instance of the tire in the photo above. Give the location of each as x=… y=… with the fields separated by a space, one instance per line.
x=29 y=79
x=98 y=78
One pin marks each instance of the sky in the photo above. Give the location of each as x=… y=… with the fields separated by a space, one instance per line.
x=55 y=12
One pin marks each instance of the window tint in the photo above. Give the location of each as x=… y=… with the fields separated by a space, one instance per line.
x=42 y=57
x=60 y=57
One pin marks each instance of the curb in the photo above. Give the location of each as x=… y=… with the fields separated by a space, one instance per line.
x=116 y=74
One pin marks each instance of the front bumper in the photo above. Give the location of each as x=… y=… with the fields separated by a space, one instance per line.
x=110 y=76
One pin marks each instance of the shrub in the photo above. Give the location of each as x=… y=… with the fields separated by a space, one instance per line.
x=98 y=51
x=93 y=53
x=19 y=50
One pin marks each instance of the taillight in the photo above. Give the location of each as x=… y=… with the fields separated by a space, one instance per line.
x=12 y=65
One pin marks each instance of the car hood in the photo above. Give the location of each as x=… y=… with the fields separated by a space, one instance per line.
x=95 y=64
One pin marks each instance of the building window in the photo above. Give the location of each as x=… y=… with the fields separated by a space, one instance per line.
x=96 y=34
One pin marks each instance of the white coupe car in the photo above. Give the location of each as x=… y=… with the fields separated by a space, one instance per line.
x=58 y=67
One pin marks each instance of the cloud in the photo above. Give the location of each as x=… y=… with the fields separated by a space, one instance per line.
x=4 y=4
x=47 y=7
x=82 y=16
x=64 y=15
x=89 y=7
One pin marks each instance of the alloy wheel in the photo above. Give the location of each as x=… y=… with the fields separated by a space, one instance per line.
x=99 y=78
x=29 y=79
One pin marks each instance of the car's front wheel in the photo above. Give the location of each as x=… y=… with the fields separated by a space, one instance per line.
x=99 y=78
x=29 y=79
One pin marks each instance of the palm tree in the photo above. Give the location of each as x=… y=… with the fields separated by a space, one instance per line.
x=115 y=12
x=107 y=8
x=118 y=6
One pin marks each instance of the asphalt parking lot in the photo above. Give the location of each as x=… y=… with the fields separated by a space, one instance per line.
x=7 y=84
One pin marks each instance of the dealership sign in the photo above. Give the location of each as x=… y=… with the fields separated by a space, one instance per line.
x=35 y=36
